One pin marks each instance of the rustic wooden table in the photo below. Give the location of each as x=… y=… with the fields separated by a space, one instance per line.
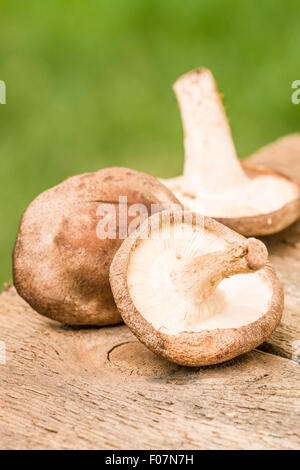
x=90 y=388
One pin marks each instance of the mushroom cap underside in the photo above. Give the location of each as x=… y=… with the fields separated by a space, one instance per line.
x=193 y=348
x=271 y=211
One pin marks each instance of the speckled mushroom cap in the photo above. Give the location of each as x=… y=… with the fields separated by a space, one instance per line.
x=238 y=316
x=60 y=265
x=249 y=199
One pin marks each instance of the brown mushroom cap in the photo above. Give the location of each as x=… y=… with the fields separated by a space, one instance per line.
x=251 y=200
x=192 y=346
x=60 y=265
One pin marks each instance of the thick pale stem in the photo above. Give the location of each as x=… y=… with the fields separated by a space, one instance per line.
x=211 y=163
x=198 y=278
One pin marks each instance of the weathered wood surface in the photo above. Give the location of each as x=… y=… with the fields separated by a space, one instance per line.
x=90 y=388
x=284 y=248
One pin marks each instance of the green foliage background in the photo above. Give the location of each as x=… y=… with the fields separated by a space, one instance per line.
x=89 y=85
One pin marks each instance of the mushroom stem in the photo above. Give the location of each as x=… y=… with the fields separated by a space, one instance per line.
x=211 y=162
x=198 y=278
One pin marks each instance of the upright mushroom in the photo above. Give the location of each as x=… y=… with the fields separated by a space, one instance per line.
x=61 y=262
x=193 y=290
x=252 y=200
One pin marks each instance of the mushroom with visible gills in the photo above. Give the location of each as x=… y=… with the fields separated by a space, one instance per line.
x=252 y=200
x=193 y=290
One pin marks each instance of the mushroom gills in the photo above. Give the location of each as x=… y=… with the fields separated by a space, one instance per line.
x=236 y=301
x=260 y=195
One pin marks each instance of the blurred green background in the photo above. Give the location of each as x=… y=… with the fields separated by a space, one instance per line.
x=89 y=85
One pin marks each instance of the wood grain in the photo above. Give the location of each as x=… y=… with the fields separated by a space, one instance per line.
x=89 y=388
x=284 y=249
x=100 y=388
x=282 y=155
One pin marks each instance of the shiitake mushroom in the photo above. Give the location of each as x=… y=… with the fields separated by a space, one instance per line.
x=60 y=263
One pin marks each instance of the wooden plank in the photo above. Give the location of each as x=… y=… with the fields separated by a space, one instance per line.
x=282 y=155
x=92 y=388
x=284 y=249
